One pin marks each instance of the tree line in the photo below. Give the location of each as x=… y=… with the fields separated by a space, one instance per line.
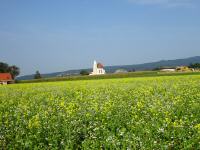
x=13 y=70
x=195 y=66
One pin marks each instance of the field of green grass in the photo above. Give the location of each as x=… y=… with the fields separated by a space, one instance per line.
x=128 y=113
x=110 y=76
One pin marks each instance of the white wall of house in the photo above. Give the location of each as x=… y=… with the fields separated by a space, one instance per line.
x=168 y=70
x=3 y=82
x=100 y=71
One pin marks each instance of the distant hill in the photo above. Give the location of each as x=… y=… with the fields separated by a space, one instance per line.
x=137 y=67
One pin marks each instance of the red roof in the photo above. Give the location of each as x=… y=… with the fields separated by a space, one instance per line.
x=5 y=77
x=99 y=65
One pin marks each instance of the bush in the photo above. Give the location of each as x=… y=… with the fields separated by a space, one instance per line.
x=84 y=72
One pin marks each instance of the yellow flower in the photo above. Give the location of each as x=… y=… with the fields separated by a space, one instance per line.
x=62 y=104
x=34 y=122
x=197 y=127
x=139 y=104
x=167 y=120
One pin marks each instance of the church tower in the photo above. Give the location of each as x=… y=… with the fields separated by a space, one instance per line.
x=95 y=67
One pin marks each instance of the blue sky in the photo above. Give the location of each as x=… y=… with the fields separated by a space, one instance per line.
x=57 y=35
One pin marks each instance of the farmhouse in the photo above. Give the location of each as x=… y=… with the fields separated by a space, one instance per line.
x=183 y=69
x=121 y=71
x=5 y=78
x=97 y=69
x=168 y=70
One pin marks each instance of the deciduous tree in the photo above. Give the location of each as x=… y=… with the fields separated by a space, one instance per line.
x=37 y=75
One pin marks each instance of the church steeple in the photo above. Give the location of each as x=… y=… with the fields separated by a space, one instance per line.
x=95 y=67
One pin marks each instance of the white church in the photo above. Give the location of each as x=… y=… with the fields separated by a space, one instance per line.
x=97 y=69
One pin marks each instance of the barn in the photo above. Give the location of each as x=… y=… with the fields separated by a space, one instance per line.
x=5 y=78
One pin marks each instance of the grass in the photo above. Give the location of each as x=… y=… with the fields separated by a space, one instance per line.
x=110 y=76
x=129 y=113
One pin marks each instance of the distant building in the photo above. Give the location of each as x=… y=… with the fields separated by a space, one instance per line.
x=5 y=78
x=121 y=71
x=183 y=69
x=168 y=70
x=177 y=69
x=97 y=69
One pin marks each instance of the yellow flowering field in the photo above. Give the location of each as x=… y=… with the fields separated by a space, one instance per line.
x=131 y=113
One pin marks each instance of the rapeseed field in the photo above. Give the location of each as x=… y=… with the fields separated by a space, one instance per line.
x=129 y=113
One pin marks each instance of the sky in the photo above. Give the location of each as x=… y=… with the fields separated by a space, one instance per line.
x=58 y=35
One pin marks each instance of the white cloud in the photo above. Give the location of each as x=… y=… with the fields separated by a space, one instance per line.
x=163 y=2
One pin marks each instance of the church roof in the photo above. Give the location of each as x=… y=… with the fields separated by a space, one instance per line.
x=99 y=65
